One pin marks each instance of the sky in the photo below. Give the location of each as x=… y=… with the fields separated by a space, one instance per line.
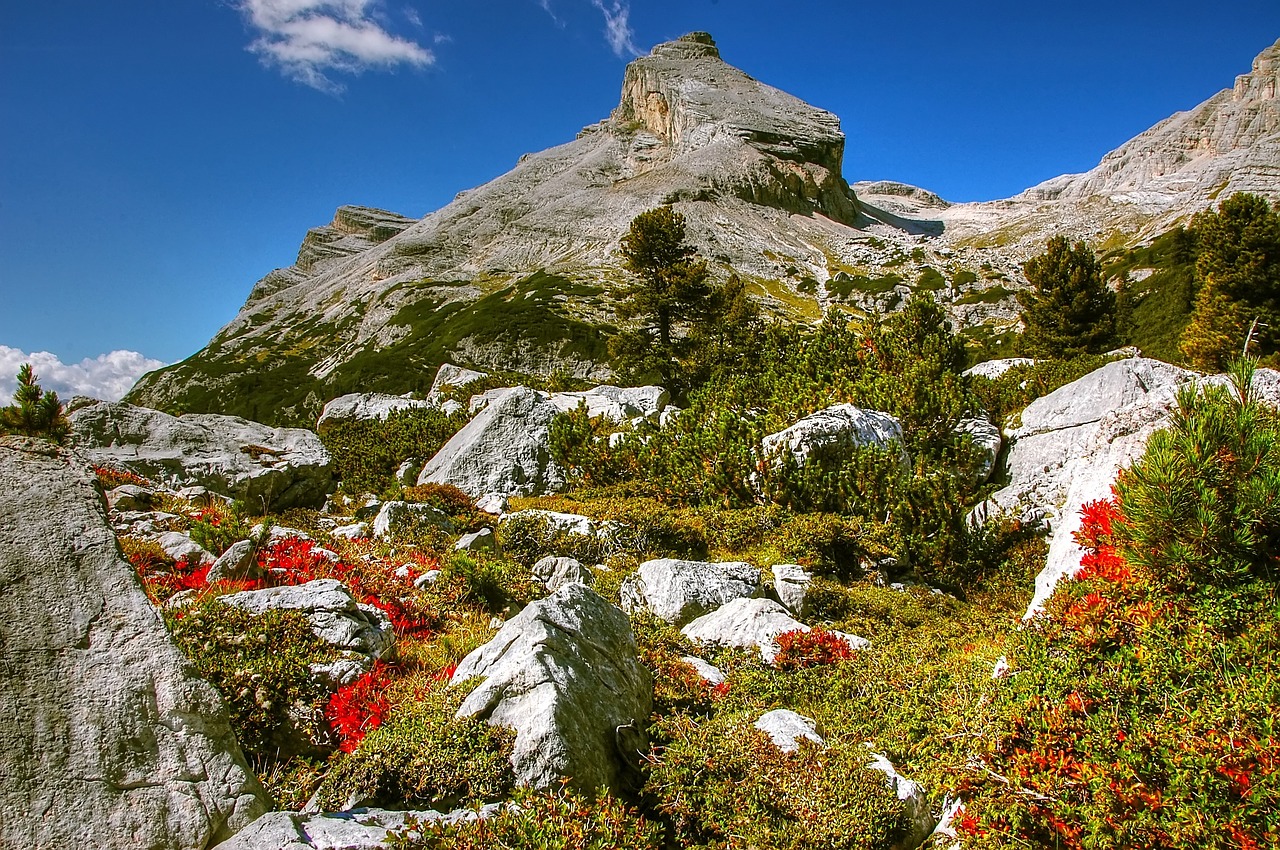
x=159 y=156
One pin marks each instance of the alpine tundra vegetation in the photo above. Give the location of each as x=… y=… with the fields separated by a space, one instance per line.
x=823 y=567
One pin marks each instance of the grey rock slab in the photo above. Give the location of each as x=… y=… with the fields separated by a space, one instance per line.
x=356 y=407
x=556 y=572
x=238 y=562
x=913 y=798
x=709 y=673
x=787 y=729
x=565 y=523
x=791 y=585
x=396 y=517
x=505 y=449
x=357 y=829
x=273 y=467
x=335 y=615
x=993 y=369
x=615 y=404
x=483 y=540
x=564 y=673
x=179 y=546
x=744 y=624
x=451 y=376
x=131 y=497
x=678 y=591
x=985 y=437
x=835 y=425
x=107 y=738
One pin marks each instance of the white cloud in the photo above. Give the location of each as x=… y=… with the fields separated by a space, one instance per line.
x=617 y=29
x=107 y=376
x=309 y=39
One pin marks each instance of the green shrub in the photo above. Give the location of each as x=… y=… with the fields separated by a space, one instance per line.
x=260 y=664
x=528 y=538
x=34 y=412
x=551 y=820
x=722 y=780
x=217 y=528
x=422 y=757
x=494 y=583
x=366 y=452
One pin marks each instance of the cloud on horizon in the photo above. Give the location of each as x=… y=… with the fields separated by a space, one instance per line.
x=310 y=39
x=107 y=376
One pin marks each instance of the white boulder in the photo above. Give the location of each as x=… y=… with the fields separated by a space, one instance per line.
x=396 y=517
x=564 y=674
x=616 y=404
x=745 y=624
x=555 y=573
x=367 y=406
x=791 y=585
x=841 y=424
x=505 y=449
x=679 y=591
x=787 y=729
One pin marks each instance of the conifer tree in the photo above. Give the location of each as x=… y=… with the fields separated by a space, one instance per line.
x=1238 y=276
x=1069 y=310
x=34 y=413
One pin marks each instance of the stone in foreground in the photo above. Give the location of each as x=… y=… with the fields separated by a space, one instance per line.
x=358 y=829
x=678 y=591
x=564 y=674
x=107 y=739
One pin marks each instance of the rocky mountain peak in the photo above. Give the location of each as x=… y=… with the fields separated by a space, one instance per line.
x=1261 y=83
x=688 y=98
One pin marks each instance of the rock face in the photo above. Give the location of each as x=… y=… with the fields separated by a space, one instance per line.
x=564 y=674
x=505 y=450
x=276 y=467
x=107 y=739
x=840 y=424
x=616 y=404
x=678 y=591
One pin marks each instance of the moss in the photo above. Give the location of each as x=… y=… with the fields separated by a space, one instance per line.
x=930 y=279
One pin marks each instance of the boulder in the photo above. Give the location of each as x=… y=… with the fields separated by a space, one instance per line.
x=505 y=449
x=361 y=630
x=914 y=800
x=131 y=497
x=986 y=439
x=710 y=673
x=787 y=729
x=483 y=540
x=358 y=829
x=562 y=523
x=238 y=562
x=555 y=573
x=397 y=517
x=268 y=468
x=564 y=674
x=744 y=624
x=616 y=404
x=179 y=546
x=107 y=738
x=791 y=586
x=356 y=407
x=993 y=369
x=842 y=424
x=679 y=591
x=449 y=375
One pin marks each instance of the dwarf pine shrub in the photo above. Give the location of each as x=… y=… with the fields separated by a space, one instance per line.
x=34 y=412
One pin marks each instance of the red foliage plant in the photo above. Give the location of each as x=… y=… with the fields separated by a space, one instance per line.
x=357 y=709
x=799 y=648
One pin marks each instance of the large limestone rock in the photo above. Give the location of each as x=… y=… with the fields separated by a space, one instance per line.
x=836 y=425
x=1074 y=441
x=367 y=406
x=107 y=739
x=564 y=674
x=449 y=376
x=275 y=468
x=505 y=449
x=745 y=624
x=678 y=591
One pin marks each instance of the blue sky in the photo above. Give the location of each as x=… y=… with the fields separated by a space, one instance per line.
x=159 y=156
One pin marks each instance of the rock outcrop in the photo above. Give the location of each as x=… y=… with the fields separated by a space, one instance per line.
x=367 y=406
x=504 y=450
x=358 y=829
x=268 y=468
x=107 y=739
x=564 y=674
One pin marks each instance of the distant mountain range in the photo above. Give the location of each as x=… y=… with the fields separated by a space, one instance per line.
x=519 y=273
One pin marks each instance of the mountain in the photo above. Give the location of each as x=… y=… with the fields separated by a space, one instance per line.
x=520 y=273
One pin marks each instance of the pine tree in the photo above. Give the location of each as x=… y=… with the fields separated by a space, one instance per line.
x=34 y=412
x=1069 y=310
x=1217 y=330
x=1238 y=265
